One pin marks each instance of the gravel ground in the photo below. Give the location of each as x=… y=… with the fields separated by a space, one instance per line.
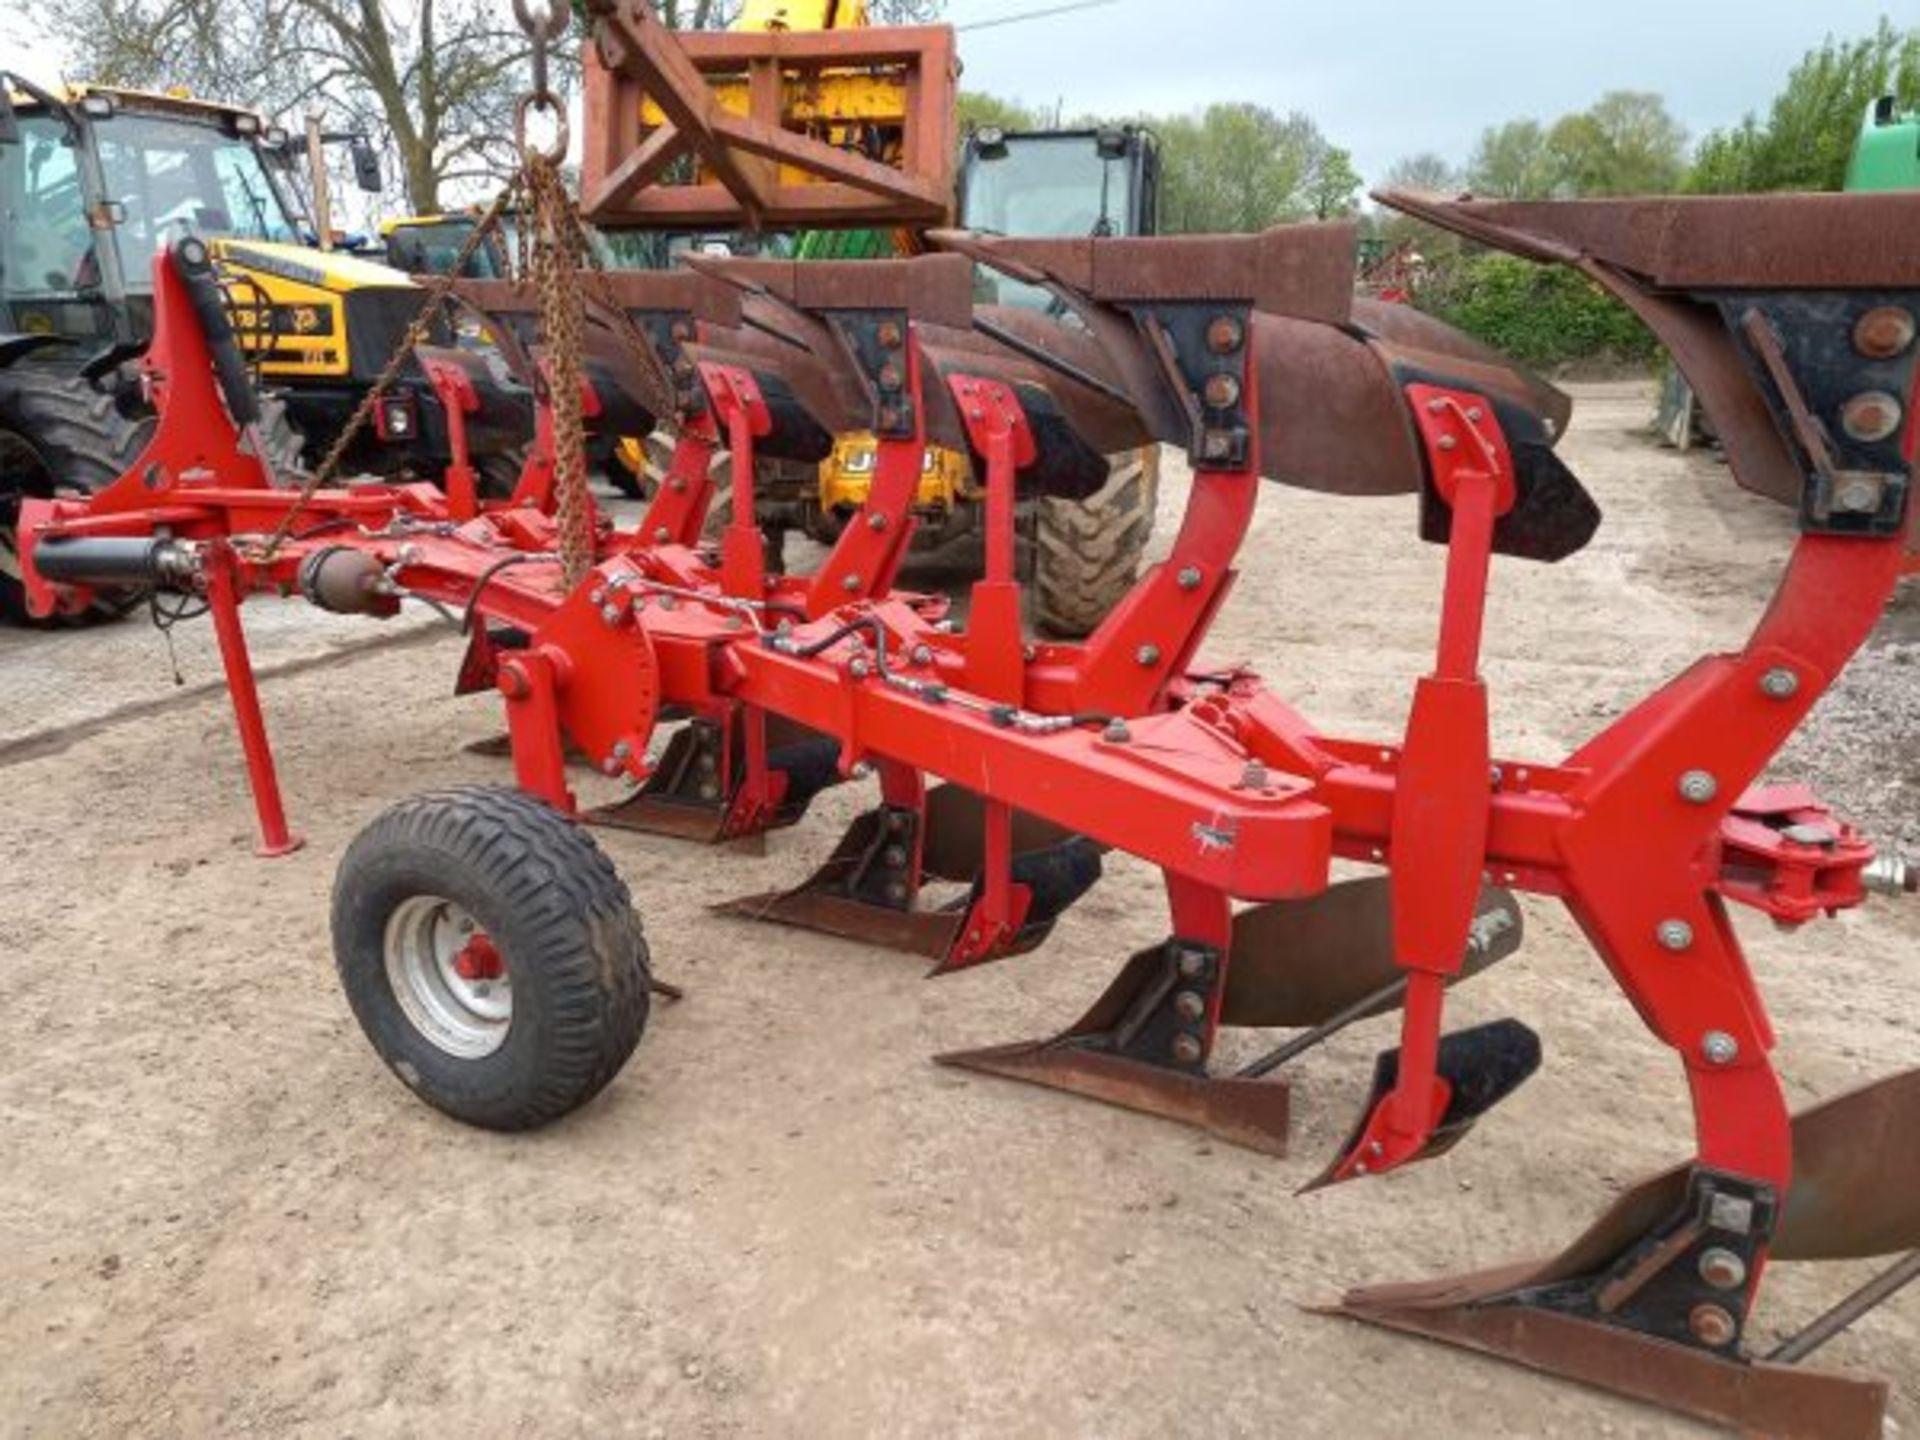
x=219 y=1214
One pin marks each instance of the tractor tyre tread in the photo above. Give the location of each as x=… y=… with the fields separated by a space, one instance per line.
x=84 y=439
x=1086 y=553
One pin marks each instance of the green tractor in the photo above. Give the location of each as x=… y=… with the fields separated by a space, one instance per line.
x=1887 y=155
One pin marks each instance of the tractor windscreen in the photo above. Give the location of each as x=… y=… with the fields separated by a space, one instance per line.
x=176 y=177
x=46 y=247
x=1045 y=186
x=430 y=247
x=1048 y=185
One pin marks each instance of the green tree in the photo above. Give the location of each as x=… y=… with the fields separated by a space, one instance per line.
x=1536 y=314
x=1426 y=172
x=1626 y=144
x=1512 y=162
x=977 y=108
x=1242 y=167
x=1333 y=185
x=1812 y=125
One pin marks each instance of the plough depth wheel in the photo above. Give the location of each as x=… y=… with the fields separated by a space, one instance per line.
x=491 y=954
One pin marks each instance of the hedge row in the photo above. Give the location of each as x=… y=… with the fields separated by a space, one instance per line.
x=1540 y=315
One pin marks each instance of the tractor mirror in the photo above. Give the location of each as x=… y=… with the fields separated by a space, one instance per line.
x=990 y=142
x=366 y=165
x=1111 y=144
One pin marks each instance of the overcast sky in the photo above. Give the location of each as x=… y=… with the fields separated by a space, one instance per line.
x=1384 y=78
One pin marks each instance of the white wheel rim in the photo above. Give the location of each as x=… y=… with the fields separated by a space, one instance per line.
x=431 y=964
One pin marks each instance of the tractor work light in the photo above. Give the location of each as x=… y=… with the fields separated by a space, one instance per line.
x=394 y=418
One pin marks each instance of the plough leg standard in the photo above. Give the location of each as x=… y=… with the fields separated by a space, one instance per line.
x=491 y=953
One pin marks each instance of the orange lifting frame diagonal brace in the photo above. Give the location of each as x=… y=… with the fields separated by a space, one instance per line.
x=626 y=167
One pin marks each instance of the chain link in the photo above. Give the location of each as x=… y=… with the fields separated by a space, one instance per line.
x=663 y=403
x=556 y=276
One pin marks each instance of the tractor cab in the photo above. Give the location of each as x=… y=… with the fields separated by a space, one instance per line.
x=93 y=181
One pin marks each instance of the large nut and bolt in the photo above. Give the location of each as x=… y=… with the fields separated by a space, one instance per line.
x=1722 y=1269
x=1858 y=497
x=1186 y=1049
x=1192 y=964
x=1713 y=1325
x=1872 y=416
x=860 y=669
x=1225 y=334
x=850 y=584
x=1698 y=787
x=922 y=655
x=1148 y=655
x=876 y=522
x=1719 y=1047
x=1116 y=733
x=1222 y=392
x=1189 y=1005
x=1189 y=578
x=1675 y=935
x=1780 y=683
x=1254 y=777
x=1884 y=332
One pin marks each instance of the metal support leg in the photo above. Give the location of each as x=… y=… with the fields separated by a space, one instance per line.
x=223 y=595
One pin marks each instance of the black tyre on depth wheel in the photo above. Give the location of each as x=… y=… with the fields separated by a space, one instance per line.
x=491 y=954
x=60 y=434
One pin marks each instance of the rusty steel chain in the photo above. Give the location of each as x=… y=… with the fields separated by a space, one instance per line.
x=663 y=399
x=435 y=304
x=556 y=277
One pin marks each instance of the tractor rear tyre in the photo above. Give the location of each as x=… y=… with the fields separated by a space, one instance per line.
x=491 y=954
x=1086 y=553
x=60 y=434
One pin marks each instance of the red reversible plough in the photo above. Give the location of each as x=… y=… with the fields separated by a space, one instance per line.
x=492 y=955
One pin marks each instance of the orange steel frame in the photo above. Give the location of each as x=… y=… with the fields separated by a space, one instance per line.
x=634 y=60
